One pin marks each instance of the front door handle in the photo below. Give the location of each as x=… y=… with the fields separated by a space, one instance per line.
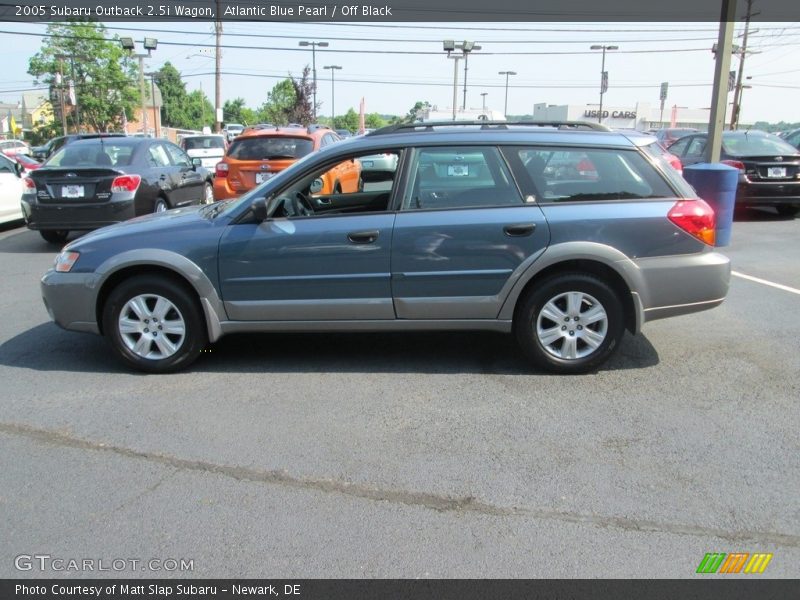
x=519 y=229
x=363 y=237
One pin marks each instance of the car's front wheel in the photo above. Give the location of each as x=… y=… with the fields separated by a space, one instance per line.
x=570 y=323
x=154 y=324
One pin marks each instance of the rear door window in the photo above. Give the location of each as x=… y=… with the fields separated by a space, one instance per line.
x=585 y=174
x=459 y=177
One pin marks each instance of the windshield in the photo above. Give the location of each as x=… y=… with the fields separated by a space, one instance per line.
x=269 y=147
x=95 y=154
x=203 y=143
x=742 y=144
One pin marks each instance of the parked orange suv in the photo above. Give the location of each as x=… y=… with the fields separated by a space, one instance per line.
x=260 y=153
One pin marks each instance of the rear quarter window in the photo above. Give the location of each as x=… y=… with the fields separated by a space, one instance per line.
x=554 y=174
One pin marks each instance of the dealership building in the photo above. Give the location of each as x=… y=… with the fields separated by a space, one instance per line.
x=641 y=116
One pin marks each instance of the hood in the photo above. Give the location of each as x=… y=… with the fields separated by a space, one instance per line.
x=163 y=225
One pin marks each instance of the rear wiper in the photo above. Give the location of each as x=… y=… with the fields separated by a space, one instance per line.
x=274 y=156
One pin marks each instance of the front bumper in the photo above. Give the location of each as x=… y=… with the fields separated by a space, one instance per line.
x=70 y=300
x=76 y=217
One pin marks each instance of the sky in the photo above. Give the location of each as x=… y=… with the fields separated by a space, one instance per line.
x=392 y=66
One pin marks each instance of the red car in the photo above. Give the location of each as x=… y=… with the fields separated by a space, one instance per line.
x=28 y=163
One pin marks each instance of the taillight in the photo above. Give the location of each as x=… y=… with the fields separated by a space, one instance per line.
x=29 y=185
x=221 y=170
x=676 y=164
x=126 y=183
x=736 y=164
x=696 y=218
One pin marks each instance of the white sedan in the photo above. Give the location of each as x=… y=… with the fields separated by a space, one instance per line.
x=10 y=190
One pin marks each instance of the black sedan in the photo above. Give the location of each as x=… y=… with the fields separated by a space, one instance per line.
x=769 y=168
x=96 y=182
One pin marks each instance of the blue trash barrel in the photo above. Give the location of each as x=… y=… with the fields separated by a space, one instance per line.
x=716 y=184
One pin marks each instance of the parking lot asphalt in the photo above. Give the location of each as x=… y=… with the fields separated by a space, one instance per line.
x=410 y=455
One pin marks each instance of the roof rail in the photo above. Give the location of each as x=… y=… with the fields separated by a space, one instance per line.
x=492 y=125
x=315 y=126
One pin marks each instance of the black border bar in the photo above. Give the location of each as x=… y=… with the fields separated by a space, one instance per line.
x=732 y=588
x=389 y=11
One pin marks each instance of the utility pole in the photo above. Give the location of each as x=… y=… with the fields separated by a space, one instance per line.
x=218 y=73
x=77 y=103
x=719 y=99
x=737 y=92
x=61 y=94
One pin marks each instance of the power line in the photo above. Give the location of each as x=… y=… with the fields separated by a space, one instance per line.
x=373 y=51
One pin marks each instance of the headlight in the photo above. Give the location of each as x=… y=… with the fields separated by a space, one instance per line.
x=65 y=261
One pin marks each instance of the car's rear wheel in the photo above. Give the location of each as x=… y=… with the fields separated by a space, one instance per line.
x=570 y=323
x=54 y=236
x=154 y=324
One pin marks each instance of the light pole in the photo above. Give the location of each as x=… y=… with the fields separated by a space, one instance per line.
x=150 y=44
x=314 y=45
x=483 y=101
x=333 y=69
x=507 y=74
x=466 y=48
x=603 y=76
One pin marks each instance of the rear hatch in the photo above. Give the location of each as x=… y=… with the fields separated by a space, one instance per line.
x=763 y=158
x=73 y=185
x=254 y=159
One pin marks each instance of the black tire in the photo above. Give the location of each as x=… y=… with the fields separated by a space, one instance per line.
x=570 y=334
x=160 y=205
x=787 y=211
x=184 y=309
x=54 y=236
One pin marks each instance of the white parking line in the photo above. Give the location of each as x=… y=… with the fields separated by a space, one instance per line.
x=785 y=288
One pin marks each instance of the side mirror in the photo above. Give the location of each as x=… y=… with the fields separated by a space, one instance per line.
x=259 y=209
x=197 y=162
x=18 y=169
x=316 y=186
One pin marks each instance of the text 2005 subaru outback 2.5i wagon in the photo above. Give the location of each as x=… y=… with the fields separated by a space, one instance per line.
x=563 y=237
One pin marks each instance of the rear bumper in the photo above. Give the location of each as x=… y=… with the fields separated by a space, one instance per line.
x=76 y=217
x=768 y=193
x=679 y=285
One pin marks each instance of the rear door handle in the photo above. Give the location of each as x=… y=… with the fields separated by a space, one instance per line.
x=519 y=229
x=363 y=237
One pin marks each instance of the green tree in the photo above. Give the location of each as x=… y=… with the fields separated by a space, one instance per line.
x=414 y=113
x=234 y=111
x=278 y=106
x=290 y=101
x=348 y=121
x=374 y=121
x=175 y=98
x=105 y=77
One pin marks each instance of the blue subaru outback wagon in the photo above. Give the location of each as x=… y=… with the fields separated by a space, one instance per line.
x=562 y=234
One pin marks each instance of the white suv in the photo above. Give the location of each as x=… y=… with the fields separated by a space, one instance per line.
x=232 y=130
